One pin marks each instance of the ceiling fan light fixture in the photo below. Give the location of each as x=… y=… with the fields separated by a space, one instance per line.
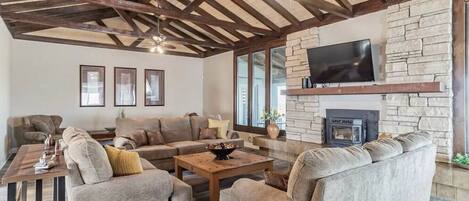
x=152 y=49
x=159 y=49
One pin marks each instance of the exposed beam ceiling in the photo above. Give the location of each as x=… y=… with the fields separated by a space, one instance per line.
x=148 y=9
x=201 y=28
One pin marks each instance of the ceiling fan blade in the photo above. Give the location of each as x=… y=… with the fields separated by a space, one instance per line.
x=168 y=46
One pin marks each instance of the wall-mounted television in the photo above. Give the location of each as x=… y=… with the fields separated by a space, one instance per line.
x=347 y=62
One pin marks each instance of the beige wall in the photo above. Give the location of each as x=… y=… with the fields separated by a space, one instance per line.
x=218 y=85
x=45 y=80
x=5 y=41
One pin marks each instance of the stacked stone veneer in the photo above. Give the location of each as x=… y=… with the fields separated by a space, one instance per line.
x=418 y=49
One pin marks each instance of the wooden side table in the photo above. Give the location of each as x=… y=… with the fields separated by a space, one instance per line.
x=203 y=164
x=22 y=170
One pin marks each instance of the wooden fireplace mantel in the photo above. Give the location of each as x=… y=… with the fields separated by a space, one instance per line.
x=423 y=87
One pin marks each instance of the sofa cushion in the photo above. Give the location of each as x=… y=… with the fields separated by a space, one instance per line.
x=123 y=162
x=188 y=147
x=70 y=133
x=126 y=126
x=383 y=149
x=197 y=123
x=415 y=140
x=155 y=152
x=237 y=142
x=146 y=165
x=319 y=163
x=89 y=155
x=176 y=129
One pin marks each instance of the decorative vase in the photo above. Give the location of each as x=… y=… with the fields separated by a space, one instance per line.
x=273 y=130
x=50 y=141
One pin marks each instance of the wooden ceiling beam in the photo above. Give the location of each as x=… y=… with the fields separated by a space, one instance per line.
x=146 y=9
x=87 y=16
x=192 y=48
x=283 y=12
x=209 y=29
x=113 y=37
x=98 y=45
x=246 y=7
x=346 y=4
x=192 y=6
x=58 y=22
x=328 y=7
x=126 y=17
x=313 y=10
x=36 y=5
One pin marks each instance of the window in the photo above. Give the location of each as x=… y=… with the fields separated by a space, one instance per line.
x=260 y=77
x=278 y=83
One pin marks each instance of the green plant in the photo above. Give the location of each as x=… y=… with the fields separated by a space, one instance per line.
x=272 y=115
x=461 y=159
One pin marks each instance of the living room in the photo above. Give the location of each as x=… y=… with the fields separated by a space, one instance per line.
x=233 y=100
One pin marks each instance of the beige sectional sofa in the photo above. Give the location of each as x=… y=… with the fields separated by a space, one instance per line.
x=383 y=170
x=91 y=176
x=180 y=135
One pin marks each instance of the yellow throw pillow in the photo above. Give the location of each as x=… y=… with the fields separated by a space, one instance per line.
x=123 y=162
x=222 y=126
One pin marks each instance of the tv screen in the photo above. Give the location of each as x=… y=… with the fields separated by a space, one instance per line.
x=347 y=62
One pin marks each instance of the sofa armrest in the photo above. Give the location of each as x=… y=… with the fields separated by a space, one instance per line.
x=248 y=189
x=124 y=143
x=35 y=136
x=232 y=134
x=181 y=190
x=152 y=185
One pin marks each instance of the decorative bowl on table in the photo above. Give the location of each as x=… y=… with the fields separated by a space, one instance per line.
x=221 y=150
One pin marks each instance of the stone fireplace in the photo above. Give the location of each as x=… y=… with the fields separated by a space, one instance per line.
x=350 y=127
x=417 y=47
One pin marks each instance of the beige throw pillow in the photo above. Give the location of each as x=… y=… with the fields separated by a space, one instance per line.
x=222 y=126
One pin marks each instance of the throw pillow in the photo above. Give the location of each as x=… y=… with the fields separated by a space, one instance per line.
x=42 y=126
x=139 y=137
x=155 y=138
x=208 y=133
x=222 y=126
x=123 y=162
x=276 y=180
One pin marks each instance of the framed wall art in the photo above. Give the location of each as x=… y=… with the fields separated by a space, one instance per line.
x=125 y=87
x=154 y=87
x=92 y=86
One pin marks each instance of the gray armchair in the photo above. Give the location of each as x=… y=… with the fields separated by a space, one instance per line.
x=34 y=129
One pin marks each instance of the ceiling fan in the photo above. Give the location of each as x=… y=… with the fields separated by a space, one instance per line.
x=160 y=41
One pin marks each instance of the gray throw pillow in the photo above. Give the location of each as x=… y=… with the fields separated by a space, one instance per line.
x=155 y=138
x=42 y=126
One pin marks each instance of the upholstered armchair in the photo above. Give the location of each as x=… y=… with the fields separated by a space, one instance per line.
x=34 y=129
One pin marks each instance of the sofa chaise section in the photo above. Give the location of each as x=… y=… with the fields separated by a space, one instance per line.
x=91 y=177
x=384 y=170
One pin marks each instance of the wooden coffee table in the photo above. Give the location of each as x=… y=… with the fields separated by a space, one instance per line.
x=205 y=165
x=22 y=170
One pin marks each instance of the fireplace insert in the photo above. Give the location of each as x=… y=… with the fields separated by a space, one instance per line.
x=351 y=127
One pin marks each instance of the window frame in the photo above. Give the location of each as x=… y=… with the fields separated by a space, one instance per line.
x=267 y=61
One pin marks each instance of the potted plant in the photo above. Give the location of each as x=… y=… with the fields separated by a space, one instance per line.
x=272 y=116
x=461 y=160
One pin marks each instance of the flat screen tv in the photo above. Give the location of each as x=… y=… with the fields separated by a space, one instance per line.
x=347 y=62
